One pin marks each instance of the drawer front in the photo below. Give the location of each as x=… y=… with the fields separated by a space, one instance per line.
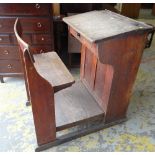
x=26 y=37
x=9 y=52
x=29 y=25
x=5 y=39
x=41 y=39
x=24 y=9
x=41 y=49
x=10 y=66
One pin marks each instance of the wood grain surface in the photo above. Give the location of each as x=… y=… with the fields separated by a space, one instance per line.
x=51 y=68
x=74 y=105
x=98 y=25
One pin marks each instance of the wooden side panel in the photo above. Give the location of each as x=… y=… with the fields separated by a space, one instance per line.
x=111 y=76
x=42 y=104
x=96 y=76
x=103 y=81
x=125 y=64
x=90 y=65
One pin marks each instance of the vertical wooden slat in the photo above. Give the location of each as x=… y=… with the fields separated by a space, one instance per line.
x=107 y=85
x=82 y=68
x=100 y=82
x=93 y=71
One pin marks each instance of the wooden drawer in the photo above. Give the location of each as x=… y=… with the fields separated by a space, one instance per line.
x=9 y=52
x=5 y=39
x=41 y=49
x=24 y=9
x=41 y=39
x=10 y=66
x=29 y=25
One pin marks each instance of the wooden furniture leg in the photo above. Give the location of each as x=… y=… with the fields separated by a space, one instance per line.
x=1 y=78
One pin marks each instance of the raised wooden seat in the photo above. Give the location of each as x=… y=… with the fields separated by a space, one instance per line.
x=51 y=68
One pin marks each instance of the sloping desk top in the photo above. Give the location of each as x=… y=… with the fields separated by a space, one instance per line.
x=99 y=25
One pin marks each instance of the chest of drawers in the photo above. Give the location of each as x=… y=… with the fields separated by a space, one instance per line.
x=37 y=24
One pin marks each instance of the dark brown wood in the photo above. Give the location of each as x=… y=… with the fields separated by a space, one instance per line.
x=82 y=65
x=5 y=39
x=36 y=49
x=8 y=66
x=41 y=39
x=153 y=9
x=26 y=37
x=36 y=20
x=29 y=24
x=42 y=103
x=122 y=71
x=81 y=107
x=131 y=9
x=77 y=134
x=51 y=68
x=24 y=9
x=9 y=52
x=108 y=70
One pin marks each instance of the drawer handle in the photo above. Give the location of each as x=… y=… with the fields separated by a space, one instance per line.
x=37 y=6
x=39 y=24
x=9 y=66
x=1 y=39
x=42 y=39
x=0 y=25
x=6 y=52
x=41 y=51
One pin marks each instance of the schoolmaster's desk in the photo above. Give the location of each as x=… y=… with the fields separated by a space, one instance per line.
x=112 y=47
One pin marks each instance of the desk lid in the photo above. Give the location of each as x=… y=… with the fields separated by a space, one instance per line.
x=99 y=25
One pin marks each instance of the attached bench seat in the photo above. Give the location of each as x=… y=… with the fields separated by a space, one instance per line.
x=51 y=68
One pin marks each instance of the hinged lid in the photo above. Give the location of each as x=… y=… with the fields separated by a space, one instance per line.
x=99 y=25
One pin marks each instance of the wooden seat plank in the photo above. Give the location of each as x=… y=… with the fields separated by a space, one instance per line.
x=51 y=67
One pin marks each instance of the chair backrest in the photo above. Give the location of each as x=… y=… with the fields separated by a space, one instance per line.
x=23 y=45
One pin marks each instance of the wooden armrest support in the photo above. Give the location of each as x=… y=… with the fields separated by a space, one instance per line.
x=51 y=68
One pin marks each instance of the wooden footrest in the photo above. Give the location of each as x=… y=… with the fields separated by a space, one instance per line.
x=75 y=105
x=51 y=68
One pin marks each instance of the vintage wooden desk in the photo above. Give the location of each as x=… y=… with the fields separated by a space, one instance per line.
x=112 y=47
